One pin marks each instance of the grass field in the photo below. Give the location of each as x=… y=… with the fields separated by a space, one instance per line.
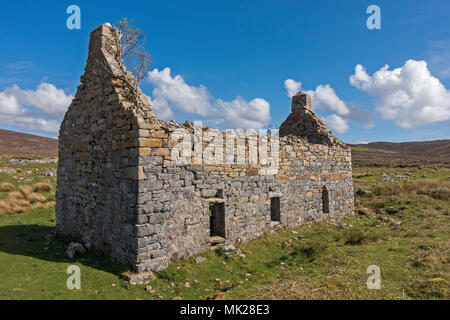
x=402 y=227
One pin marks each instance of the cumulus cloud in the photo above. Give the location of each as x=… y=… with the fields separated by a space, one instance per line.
x=51 y=102
x=336 y=123
x=161 y=107
x=242 y=114
x=408 y=95
x=172 y=92
x=177 y=93
x=31 y=123
x=323 y=97
x=46 y=97
x=292 y=87
x=9 y=105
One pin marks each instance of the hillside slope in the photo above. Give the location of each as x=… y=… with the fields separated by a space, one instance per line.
x=402 y=154
x=19 y=144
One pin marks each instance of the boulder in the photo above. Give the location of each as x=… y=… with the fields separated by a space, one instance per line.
x=139 y=278
x=74 y=248
x=227 y=248
x=199 y=260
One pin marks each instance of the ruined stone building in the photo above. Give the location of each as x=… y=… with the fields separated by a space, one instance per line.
x=120 y=190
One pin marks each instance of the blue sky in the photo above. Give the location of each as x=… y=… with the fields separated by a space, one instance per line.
x=237 y=55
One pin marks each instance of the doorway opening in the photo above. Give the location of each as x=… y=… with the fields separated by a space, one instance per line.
x=217 y=219
x=275 y=209
x=325 y=200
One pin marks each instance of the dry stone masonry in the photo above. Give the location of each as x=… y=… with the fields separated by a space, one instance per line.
x=121 y=191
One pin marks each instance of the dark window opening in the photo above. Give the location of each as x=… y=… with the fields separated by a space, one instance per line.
x=325 y=200
x=217 y=219
x=275 y=209
x=219 y=193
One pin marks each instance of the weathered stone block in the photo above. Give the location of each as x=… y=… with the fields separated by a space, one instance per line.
x=150 y=142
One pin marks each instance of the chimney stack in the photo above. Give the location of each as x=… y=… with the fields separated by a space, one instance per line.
x=301 y=101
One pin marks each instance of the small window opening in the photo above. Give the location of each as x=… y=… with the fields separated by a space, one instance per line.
x=275 y=209
x=219 y=193
x=325 y=200
x=217 y=219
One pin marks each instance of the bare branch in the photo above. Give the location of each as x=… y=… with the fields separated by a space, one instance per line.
x=130 y=42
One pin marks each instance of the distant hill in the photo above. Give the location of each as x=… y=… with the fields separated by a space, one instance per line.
x=19 y=144
x=402 y=154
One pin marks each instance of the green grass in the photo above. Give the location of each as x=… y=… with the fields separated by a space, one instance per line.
x=396 y=227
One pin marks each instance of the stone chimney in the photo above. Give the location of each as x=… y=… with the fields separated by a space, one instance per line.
x=302 y=122
x=301 y=101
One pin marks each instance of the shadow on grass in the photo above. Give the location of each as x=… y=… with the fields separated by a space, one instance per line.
x=32 y=241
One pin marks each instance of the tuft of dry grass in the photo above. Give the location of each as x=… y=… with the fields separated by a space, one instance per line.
x=434 y=188
x=42 y=187
x=15 y=195
x=309 y=249
x=393 y=188
x=432 y=257
x=26 y=191
x=429 y=212
x=23 y=201
x=6 y=187
x=4 y=207
x=362 y=175
x=356 y=236
x=37 y=205
x=35 y=197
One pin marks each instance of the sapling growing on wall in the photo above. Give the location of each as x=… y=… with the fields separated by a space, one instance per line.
x=130 y=42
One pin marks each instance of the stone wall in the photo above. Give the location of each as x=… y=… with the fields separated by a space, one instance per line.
x=174 y=201
x=95 y=200
x=120 y=189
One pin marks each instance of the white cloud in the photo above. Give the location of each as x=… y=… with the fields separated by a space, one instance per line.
x=46 y=98
x=242 y=114
x=176 y=92
x=9 y=105
x=31 y=123
x=336 y=123
x=172 y=92
x=292 y=87
x=326 y=97
x=50 y=101
x=408 y=95
x=161 y=108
